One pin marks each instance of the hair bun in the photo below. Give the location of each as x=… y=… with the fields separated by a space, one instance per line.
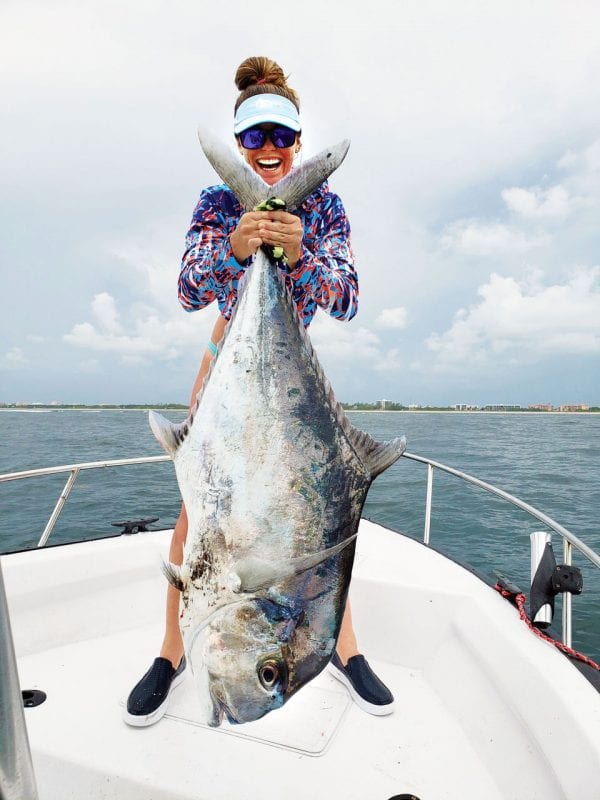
x=258 y=75
x=259 y=70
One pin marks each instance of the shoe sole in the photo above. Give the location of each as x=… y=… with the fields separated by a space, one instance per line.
x=370 y=708
x=145 y=720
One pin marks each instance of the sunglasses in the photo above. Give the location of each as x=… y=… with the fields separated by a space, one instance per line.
x=254 y=138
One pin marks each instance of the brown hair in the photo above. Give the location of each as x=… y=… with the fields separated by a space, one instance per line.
x=261 y=75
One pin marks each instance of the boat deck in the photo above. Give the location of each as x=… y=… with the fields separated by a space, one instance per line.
x=301 y=748
x=476 y=712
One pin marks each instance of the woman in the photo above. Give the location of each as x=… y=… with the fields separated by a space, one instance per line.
x=221 y=243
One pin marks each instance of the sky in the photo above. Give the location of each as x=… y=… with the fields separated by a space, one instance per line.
x=472 y=186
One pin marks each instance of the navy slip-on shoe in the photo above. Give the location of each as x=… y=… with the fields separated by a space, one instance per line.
x=149 y=698
x=364 y=687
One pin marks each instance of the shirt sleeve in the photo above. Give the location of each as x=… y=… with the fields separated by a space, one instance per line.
x=208 y=264
x=326 y=265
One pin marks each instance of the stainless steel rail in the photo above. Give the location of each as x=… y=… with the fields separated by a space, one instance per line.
x=17 y=780
x=569 y=539
x=74 y=470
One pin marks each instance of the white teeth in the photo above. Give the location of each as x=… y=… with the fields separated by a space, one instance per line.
x=269 y=162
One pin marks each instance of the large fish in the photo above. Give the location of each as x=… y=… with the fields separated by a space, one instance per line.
x=274 y=477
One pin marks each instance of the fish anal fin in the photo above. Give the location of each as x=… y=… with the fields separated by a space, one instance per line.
x=169 y=434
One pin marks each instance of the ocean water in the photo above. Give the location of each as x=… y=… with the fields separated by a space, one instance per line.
x=551 y=461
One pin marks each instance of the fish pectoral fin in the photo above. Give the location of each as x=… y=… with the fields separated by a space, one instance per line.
x=376 y=456
x=252 y=574
x=173 y=574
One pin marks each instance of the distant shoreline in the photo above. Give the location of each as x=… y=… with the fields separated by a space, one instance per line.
x=95 y=409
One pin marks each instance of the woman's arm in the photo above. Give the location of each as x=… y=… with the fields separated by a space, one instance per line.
x=208 y=263
x=327 y=266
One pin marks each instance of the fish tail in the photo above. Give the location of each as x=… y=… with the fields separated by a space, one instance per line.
x=251 y=190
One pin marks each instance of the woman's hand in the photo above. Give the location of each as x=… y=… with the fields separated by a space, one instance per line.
x=282 y=229
x=275 y=228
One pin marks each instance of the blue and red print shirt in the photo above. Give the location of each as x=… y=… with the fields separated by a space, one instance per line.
x=324 y=275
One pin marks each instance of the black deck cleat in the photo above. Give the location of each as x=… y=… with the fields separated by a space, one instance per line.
x=134 y=525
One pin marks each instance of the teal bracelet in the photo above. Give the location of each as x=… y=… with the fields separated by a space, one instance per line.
x=212 y=347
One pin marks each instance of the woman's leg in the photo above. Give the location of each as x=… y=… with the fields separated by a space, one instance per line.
x=172 y=646
x=346 y=643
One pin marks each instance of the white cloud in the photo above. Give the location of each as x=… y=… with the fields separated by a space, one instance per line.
x=390 y=361
x=586 y=160
x=521 y=323
x=341 y=344
x=154 y=328
x=392 y=318
x=150 y=336
x=339 y=341
x=535 y=212
x=537 y=203
x=474 y=238
x=14 y=359
x=105 y=311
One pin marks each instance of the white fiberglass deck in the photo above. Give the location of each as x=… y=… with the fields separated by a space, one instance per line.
x=483 y=708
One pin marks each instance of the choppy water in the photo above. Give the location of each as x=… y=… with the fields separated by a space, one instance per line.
x=550 y=461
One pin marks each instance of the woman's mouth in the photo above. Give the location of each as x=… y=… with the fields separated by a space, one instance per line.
x=269 y=164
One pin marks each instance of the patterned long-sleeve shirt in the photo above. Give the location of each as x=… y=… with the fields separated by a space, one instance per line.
x=323 y=276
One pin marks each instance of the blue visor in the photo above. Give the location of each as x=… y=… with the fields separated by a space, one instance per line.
x=266 y=108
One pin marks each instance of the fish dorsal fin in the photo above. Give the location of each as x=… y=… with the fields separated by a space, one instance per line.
x=251 y=190
x=375 y=456
x=303 y=180
x=253 y=574
x=246 y=185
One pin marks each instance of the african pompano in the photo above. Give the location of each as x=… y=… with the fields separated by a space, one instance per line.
x=274 y=478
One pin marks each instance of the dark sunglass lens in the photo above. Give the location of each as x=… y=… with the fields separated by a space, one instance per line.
x=283 y=137
x=253 y=138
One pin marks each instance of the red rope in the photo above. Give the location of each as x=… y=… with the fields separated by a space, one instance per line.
x=520 y=602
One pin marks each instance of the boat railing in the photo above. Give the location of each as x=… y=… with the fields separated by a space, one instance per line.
x=73 y=470
x=570 y=541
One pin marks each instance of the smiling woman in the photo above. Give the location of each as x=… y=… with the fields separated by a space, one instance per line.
x=315 y=259
x=268 y=147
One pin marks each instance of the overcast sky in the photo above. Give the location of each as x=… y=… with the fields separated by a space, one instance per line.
x=472 y=186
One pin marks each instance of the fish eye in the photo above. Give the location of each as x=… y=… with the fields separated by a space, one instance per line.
x=268 y=674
